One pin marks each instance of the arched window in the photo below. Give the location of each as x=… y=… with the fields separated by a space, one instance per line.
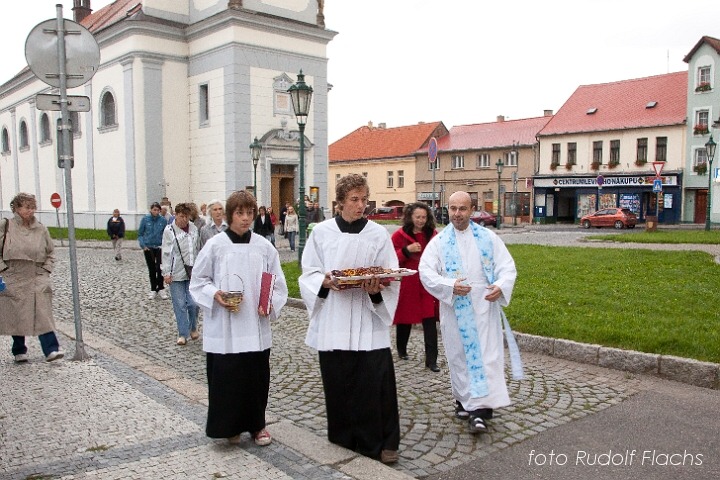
x=45 y=136
x=107 y=110
x=5 y=141
x=23 y=134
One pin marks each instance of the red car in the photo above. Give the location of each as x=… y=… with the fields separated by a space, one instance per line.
x=610 y=217
x=386 y=213
x=481 y=217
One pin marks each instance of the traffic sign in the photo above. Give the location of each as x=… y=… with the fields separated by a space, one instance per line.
x=432 y=150
x=82 y=53
x=600 y=180
x=55 y=200
x=657 y=185
x=658 y=167
x=76 y=103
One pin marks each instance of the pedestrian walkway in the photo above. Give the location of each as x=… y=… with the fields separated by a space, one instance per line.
x=137 y=408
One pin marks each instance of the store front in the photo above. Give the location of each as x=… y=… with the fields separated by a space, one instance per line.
x=566 y=199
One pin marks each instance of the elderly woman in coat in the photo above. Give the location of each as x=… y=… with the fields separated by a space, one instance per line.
x=26 y=263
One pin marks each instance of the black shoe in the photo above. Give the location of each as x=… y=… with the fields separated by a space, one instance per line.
x=433 y=368
x=403 y=356
x=477 y=425
x=460 y=412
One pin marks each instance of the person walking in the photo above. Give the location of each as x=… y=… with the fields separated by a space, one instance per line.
x=180 y=245
x=237 y=339
x=216 y=222
x=471 y=272
x=116 y=232
x=415 y=305
x=150 y=235
x=263 y=225
x=292 y=226
x=27 y=257
x=350 y=328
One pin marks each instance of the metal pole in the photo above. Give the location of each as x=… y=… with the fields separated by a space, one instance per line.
x=66 y=157
x=499 y=217
x=57 y=215
x=435 y=202
x=255 y=180
x=709 y=195
x=301 y=206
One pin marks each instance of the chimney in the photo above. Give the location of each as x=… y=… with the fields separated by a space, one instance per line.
x=370 y=124
x=81 y=9
x=500 y=118
x=547 y=113
x=382 y=125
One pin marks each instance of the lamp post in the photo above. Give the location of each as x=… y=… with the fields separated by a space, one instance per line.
x=516 y=153
x=301 y=95
x=499 y=166
x=710 y=150
x=255 y=149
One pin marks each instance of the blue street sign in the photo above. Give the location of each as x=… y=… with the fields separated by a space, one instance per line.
x=432 y=150
x=657 y=185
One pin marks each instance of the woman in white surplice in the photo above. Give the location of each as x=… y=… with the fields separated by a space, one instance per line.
x=237 y=344
x=351 y=328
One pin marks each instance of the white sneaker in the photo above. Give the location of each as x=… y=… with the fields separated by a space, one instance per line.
x=151 y=295
x=21 y=358
x=54 y=356
x=163 y=294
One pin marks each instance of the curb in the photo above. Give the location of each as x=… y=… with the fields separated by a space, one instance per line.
x=668 y=367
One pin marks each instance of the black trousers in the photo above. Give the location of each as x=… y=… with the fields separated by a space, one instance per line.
x=153 y=258
x=430 y=336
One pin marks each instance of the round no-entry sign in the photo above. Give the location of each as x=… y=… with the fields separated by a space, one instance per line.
x=55 y=200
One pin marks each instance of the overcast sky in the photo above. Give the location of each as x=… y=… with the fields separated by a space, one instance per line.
x=465 y=61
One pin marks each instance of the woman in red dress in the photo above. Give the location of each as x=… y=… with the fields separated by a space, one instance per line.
x=415 y=304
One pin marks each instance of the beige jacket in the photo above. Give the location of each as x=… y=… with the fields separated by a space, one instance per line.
x=27 y=261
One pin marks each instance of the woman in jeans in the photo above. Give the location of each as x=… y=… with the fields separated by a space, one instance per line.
x=291 y=226
x=180 y=245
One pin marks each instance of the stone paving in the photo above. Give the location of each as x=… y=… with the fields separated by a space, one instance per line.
x=155 y=421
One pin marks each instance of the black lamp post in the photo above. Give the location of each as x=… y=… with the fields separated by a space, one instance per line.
x=516 y=153
x=710 y=150
x=499 y=166
x=301 y=96
x=255 y=149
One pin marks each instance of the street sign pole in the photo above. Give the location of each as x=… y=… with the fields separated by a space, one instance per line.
x=432 y=156
x=55 y=201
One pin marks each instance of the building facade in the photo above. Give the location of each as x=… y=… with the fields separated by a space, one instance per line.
x=183 y=88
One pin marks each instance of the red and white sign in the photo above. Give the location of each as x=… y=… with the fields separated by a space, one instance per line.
x=55 y=200
x=658 y=167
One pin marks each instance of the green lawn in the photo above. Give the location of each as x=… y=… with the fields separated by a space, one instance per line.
x=663 y=236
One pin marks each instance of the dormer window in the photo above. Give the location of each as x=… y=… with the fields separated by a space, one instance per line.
x=591 y=111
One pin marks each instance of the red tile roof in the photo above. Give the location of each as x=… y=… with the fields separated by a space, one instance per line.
x=111 y=14
x=371 y=143
x=623 y=104
x=492 y=135
x=713 y=42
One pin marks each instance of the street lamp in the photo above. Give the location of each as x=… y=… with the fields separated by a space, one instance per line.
x=499 y=166
x=301 y=95
x=516 y=154
x=255 y=149
x=710 y=150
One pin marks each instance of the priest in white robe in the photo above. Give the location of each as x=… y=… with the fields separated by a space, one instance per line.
x=237 y=343
x=350 y=328
x=470 y=271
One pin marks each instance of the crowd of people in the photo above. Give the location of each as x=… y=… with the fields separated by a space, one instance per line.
x=220 y=259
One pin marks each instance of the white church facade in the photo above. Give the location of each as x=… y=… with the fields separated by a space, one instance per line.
x=183 y=88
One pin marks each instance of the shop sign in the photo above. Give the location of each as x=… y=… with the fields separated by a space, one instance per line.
x=428 y=196
x=579 y=182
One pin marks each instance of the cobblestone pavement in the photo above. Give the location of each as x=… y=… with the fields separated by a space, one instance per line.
x=140 y=410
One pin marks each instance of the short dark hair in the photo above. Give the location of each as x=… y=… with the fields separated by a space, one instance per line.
x=241 y=199
x=348 y=183
x=183 y=208
x=155 y=205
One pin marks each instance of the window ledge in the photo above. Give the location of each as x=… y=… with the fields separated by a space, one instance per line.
x=45 y=143
x=108 y=128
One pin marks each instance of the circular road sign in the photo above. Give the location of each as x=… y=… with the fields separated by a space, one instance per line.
x=600 y=180
x=82 y=53
x=55 y=200
x=432 y=150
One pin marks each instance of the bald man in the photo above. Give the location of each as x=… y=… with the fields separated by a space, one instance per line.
x=468 y=268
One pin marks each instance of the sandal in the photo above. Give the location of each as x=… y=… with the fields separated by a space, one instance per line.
x=262 y=438
x=181 y=341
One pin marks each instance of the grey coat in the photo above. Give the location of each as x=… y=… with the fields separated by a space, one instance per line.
x=27 y=261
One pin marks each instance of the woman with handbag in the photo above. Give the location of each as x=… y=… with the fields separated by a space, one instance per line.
x=26 y=261
x=180 y=246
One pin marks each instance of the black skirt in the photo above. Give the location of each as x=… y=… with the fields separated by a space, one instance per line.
x=238 y=389
x=361 y=400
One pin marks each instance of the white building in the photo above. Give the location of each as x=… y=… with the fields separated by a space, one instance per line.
x=183 y=88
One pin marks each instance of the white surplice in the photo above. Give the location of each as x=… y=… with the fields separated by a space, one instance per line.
x=224 y=265
x=347 y=320
x=487 y=314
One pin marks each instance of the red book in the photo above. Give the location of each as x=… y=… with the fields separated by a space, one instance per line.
x=267 y=285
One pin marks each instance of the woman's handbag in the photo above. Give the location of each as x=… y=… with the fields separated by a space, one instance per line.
x=188 y=268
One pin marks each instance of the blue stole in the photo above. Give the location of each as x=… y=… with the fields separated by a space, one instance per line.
x=464 y=310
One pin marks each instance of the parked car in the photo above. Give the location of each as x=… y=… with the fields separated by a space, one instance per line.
x=441 y=215
x=481 y=217
x=386 y=213
x=610 y=217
